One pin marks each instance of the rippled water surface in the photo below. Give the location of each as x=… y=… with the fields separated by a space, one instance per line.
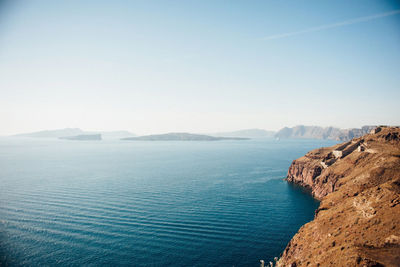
x=149 y=203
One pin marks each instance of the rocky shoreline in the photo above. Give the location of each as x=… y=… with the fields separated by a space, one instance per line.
x=358 y=220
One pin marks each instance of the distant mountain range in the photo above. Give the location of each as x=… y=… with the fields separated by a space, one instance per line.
x=300 y=131
x=247 y=133
x=53 y=133
x=180 y=137
x=317 y=132
x=70 y=132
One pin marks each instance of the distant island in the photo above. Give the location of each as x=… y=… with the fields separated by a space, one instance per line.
x=246 y=133
x=71 y=132
x=299 y=131
x=317 y=132
x=52 y=133
x=83 y=137
x=181 y=137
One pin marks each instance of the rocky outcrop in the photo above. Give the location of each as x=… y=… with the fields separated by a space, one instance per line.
x=358 y=220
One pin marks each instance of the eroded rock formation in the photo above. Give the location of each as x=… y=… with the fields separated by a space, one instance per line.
x=317 y=132
x=358 y=221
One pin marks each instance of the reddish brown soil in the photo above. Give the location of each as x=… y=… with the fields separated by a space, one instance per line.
x=358 y=221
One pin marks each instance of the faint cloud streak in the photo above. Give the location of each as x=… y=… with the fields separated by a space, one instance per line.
x=334 y=25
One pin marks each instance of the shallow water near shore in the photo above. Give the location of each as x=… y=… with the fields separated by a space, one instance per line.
x=141 y=203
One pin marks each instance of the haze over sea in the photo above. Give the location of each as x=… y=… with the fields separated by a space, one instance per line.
x=139 y=203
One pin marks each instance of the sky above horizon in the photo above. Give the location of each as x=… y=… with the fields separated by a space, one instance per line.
x=198 y=66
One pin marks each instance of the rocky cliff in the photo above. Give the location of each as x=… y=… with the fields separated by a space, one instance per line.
x=358 y=221
x=317 y=132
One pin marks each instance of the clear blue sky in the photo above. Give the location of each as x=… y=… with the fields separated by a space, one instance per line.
x=198 y=66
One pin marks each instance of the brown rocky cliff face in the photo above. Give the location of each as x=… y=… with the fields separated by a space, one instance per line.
x=358 y=221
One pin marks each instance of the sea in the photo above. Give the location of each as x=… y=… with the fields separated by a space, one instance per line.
x=149 y=203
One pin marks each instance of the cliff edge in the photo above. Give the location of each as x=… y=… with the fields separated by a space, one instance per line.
x=358 y=220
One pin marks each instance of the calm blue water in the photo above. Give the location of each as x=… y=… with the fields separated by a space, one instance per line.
x=149 y=203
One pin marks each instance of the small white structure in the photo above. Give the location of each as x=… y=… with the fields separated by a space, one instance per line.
x=323 y=164
x=337 y=153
